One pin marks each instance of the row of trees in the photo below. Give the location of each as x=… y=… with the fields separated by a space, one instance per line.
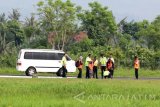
x=63 y=25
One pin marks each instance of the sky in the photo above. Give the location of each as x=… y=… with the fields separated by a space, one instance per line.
x=136 y=10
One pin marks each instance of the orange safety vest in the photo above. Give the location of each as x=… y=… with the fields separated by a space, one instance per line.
x=136 y=64
x=80 y=65
x=91 y=65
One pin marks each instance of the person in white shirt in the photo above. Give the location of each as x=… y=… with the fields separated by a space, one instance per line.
x=110 y=57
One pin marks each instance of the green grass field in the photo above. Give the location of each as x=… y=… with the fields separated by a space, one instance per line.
x=36 y=92
x=93 y=93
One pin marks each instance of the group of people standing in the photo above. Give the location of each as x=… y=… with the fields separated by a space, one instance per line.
x=92 y=65
x=106 y=65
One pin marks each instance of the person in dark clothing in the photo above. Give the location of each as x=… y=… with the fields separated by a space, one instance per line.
x=110 y=68
x=80 y=66
x=64 y=71
x=111 y=57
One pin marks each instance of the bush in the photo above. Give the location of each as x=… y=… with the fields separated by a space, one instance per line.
x=8 y=58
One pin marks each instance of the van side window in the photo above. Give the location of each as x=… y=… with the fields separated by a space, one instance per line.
x=28 y=55
x=51 y=56
x=41 y=56
x=37 y=55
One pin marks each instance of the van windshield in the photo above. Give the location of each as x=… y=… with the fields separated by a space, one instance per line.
x=62 y=54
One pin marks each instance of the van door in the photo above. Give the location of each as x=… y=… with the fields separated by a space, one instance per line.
x=50 y=62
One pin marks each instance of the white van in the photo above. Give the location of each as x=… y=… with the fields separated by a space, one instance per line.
x=32 y=61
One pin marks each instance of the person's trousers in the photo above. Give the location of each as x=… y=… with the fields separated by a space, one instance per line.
x=80 y=73
x=87 y=72
x=64 y=71
x=136 y=73
x=95 y=71
x=110 y=74
x=103 y=68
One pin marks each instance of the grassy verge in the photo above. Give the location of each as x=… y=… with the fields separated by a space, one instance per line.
x=120 y=72
x=126 y=72
x=10 y=71
x=91 y=93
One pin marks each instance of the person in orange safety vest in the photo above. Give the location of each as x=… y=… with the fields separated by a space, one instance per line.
x=91 y=64
x=136 y=66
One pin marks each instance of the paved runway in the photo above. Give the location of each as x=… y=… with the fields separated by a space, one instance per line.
x=118 y=78
x=9 y=76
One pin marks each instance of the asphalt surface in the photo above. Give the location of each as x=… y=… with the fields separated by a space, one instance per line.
x=119 y=78
x=9 y=76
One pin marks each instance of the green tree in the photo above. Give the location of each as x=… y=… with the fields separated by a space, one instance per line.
x=14 y=27
x=82 y=46
x=33 y=36
x=8 y=51
x=59 y=17
x=15 y=32
x=3 y=32
x=155 y=33
x=15 y=15
x=99 y=23
x=149 y=34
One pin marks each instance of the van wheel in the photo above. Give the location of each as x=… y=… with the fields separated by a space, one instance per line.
x=59 y=72
x=30 y=71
